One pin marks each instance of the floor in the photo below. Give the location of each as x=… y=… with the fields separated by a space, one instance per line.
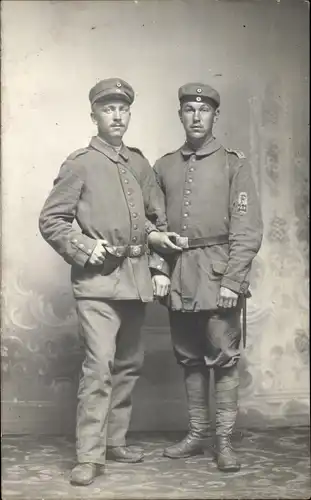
x=276 y=465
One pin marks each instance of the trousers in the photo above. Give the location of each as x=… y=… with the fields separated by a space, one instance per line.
x=206 y=338
x=111 y=335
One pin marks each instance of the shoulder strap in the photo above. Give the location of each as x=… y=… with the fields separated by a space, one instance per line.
x=78 y=152
x=136 y=150
x=239 y=154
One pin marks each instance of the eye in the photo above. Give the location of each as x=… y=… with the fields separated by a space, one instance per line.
x=107 y=110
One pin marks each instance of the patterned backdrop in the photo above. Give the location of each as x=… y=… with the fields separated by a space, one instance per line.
x=261 y=71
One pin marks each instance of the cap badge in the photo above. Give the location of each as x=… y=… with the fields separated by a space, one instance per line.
x=119 y=84
x=198 y=98
x=199 y=91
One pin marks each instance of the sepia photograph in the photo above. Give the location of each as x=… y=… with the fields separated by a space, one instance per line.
x=155 y=335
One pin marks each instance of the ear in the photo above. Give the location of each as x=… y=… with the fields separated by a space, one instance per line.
x=93 y=118
x=216 y=115
x=180 y=114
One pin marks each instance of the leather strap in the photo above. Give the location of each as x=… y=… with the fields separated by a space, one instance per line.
x=185 y=242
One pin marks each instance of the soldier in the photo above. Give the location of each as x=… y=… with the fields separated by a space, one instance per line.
x=211 y=202
x=109 y=189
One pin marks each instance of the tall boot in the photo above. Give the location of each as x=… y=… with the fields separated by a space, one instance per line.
x=197 y=390
x=226 y=393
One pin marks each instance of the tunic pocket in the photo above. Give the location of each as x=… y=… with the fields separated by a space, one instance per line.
x=109 y=265
x=218 y=270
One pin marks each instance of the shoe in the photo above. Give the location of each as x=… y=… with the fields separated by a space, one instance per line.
x=124 y=454
x=83 y=474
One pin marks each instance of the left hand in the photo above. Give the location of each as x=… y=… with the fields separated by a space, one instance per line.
x=227 y=298
x=161 y=285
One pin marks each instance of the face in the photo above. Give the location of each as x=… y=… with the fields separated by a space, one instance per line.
x=198 y=119
x=112 y=119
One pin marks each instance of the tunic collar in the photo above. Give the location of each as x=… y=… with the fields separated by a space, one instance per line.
x=208 y=148
x=109 y=151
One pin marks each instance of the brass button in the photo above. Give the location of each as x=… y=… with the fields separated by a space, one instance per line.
x=135 y=226
x=134 y=238
x=187 y=203
x=186 y=215
x=190 y=179
x=187 y=191
x=126 y=181
x=135 y=215
x=184 y=227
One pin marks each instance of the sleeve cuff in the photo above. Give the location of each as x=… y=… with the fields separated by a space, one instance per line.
x=158 y=264
x=232 y=285
x=149 y=227
x=84 y=247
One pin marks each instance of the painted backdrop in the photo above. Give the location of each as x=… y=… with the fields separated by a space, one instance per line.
x=256 y=54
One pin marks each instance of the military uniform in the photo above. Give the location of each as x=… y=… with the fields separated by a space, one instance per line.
x=211 y=202
x=112 y=195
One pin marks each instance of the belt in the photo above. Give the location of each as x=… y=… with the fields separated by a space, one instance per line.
x=126 y=251
x=185 y=242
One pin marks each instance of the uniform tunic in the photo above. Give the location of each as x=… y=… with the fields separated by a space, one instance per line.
x=111 y=195
x=209 y=193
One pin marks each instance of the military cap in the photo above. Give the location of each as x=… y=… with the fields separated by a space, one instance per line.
x=198 y=92
x=111 y=87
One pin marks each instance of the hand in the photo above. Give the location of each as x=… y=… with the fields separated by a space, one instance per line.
x=227 y=298
x=161 y=285
x=98 y=255
x=160 y=241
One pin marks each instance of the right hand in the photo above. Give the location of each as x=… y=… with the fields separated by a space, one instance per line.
x=98 y=255
x=162 y=243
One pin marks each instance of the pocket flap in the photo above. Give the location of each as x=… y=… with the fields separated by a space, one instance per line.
x=219 y=267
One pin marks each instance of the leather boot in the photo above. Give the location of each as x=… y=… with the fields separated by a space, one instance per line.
x=84 y=474
x=197 y=390
x=226 y=393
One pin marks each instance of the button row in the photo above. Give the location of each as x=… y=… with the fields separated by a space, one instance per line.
x=131 y=204
x=188 y=191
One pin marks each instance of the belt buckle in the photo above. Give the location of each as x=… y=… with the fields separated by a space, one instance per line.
x=136 y=250
x=182 y=241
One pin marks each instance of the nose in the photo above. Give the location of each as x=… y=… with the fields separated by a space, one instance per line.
x=196 y=116
x=116 y=115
